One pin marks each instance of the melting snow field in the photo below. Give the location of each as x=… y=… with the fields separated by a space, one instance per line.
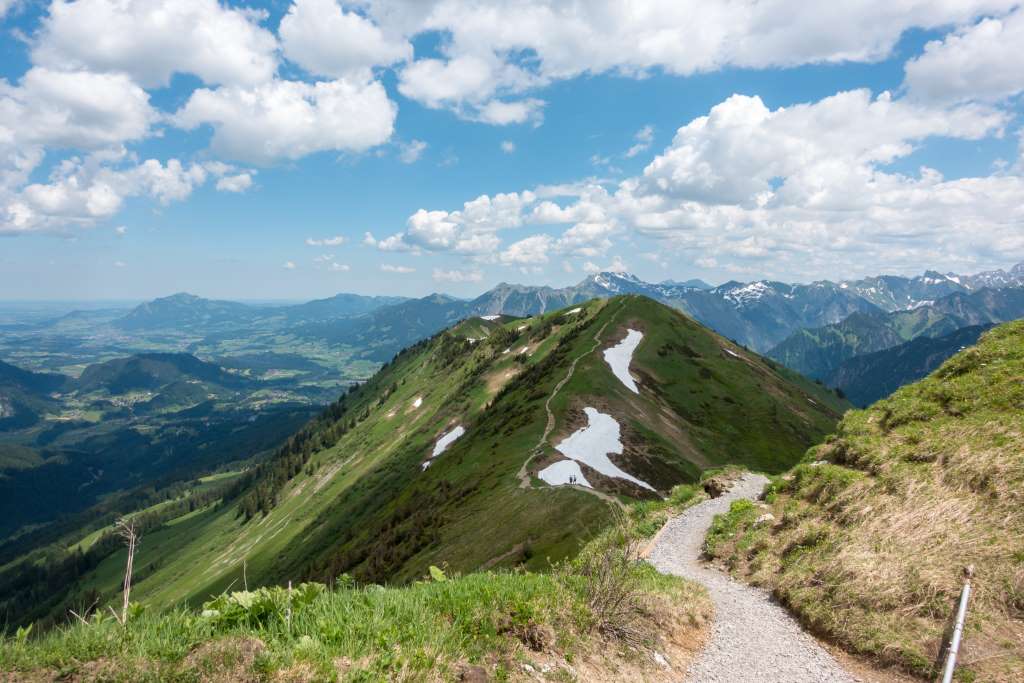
x=620 y=356
x=592 y=444
x=446 y=440
x=575 y=310
x=732 y=353
x=490 y=317
x=418 y=402
x=559 y=473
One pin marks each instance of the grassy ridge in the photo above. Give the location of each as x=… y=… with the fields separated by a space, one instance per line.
x=870 y=536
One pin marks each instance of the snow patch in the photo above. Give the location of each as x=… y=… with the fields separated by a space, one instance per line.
x=732 y=353
x=558 y=474
x=418 y=402
x=575 y=310
x=619 y=357
x=521 y=328
x=446 y=440
x=489 y=317
x=592 y=444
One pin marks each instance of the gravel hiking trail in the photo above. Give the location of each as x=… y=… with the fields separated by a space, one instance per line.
x=753 y=638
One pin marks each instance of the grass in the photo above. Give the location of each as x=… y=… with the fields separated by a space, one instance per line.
x=873 y=531
x=435 y=629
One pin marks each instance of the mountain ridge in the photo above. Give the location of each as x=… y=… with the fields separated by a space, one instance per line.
x=350 y=493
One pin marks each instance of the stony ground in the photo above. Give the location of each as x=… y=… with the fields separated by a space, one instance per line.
x=753 y=638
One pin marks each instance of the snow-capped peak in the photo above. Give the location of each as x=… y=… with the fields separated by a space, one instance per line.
x=752 y=291
x=613 y=281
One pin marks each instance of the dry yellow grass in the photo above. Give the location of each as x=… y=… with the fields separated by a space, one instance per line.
x=874 y=530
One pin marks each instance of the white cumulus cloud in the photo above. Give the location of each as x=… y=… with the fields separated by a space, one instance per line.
x=983 y=61
x=326 y=40
x=153 y=39
x=73 y=109
x=235 y=183
x=291 y=119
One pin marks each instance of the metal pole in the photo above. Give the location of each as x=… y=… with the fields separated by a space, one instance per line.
x=958 y=629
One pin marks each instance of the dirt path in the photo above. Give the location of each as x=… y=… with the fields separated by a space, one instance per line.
x=549 y=426
x=753 y=638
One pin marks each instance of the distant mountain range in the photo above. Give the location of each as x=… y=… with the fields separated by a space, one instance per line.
x=810 y=327
x=818 y=352
x=184 y=311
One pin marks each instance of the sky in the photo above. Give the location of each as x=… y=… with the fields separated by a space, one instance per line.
x=293 y=150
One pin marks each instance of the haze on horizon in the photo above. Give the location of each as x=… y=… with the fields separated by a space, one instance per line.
x=393 y=147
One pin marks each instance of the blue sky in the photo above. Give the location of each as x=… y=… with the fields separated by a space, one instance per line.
x=150 y=173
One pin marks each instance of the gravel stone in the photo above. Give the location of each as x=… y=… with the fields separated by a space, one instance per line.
x=753 y=638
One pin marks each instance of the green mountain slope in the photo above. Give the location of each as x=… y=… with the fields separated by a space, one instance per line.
x=353 y=492
x=872 y=533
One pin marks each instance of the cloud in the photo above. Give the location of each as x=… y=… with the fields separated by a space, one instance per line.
x=440 y=275
x=467 y=231
x=73 y=109
x=476 y=87
x=403 y=270
x=527 y=252
x=643 y=137
x=291 y=119
x=289 y=265
x=587 y=239
x=335 y=241
x=503 y=113
x=335 y=267
x=84 y=191
x=325 y=40
x=734 y=154
x=508 y=147
x=616 y=266
x=495 y=53
x=977 y=62
x=235 y=183
x=793 y=190
x=410 y=152
x=119 y=264
x=150 y=40
x=120 y=231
